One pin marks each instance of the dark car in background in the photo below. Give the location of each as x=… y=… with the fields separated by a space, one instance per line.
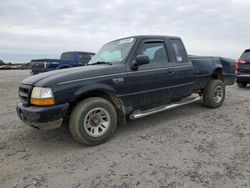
x=67 y=60
x=24 y=66
x=20 y=66
x=242 y=69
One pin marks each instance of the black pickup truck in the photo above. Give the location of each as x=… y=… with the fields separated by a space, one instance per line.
x=128 y=78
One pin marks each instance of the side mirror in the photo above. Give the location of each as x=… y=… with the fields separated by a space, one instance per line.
x=142 y=59
x=139 y=60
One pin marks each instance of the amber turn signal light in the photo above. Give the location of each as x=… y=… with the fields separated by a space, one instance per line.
x=42 y=102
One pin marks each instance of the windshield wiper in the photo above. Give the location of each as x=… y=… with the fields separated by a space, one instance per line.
x=100 y=62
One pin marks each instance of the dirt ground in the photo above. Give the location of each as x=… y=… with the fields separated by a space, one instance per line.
x=191 y=146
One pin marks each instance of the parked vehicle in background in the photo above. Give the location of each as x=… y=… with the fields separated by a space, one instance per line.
x=67 y=60
x=20 y=66
x=5 y=67
x=24 y=66
x=242 y=69
x=15 y=67
x=130 y=77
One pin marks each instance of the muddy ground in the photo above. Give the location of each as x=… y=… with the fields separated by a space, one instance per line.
x=191 y=146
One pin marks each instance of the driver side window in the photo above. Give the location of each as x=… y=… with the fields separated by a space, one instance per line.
x=156 y=52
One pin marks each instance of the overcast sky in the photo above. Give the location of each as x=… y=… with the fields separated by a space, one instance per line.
x=45 y=28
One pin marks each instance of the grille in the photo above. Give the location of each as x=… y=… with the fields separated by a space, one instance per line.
x=37 y=64
x=24 y=94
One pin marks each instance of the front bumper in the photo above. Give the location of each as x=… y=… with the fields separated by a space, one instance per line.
x=243 y=78
x=41 y=70
x=42 y=117
x=38 y=70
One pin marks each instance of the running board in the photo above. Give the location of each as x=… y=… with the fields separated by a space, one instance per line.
x=140 y=114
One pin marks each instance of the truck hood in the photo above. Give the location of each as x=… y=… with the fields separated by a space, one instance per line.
x=39 y=60
x=51 y=78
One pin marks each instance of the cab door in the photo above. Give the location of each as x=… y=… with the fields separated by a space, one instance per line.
x=181 y=78
x=148 y=85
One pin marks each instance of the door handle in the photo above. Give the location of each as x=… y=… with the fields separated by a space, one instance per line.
x=170 y=71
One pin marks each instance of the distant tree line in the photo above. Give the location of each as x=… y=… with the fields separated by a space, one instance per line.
x=3 y=63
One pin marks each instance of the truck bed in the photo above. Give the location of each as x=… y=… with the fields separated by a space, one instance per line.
x=204 y=65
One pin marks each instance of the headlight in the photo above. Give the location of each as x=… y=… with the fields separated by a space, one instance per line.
x=42 y=96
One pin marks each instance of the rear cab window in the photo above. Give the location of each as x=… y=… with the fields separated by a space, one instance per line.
x=179 y=51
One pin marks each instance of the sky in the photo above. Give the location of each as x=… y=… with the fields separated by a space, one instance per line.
x=44 y=28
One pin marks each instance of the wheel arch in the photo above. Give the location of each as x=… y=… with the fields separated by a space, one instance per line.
x=106 y=93
x=217 y=74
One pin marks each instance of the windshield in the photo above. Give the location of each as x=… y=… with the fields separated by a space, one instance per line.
x=113 y=52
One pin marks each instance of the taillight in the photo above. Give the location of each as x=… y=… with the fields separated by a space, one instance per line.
x=239 y=62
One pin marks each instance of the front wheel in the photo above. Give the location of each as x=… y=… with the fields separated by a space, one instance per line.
x=93 y=121
x=214 y=94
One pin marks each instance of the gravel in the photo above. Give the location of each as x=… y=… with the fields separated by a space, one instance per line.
x=191 y=146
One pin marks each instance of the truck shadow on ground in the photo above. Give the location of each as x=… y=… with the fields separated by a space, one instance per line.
x=61 y=138
x=245 y=88
x=161 y=118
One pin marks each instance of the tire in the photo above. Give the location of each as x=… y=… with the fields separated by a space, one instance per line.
x=241 y=84
x=93 y=121
x=214 y=94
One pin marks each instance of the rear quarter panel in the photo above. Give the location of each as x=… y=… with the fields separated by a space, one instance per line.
x=228 y=70
x=205 y=66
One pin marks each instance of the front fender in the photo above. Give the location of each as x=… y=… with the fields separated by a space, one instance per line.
x=92 y=88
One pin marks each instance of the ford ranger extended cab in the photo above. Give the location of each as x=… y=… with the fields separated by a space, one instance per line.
x=128 y=78
x=67 y=60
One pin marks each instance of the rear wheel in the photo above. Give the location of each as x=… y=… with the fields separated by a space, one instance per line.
x=241 y=84
x=214 y=94
x=93 y=121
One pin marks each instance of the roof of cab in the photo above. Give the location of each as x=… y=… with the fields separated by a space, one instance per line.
x=148 y=37
x=78 y=52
